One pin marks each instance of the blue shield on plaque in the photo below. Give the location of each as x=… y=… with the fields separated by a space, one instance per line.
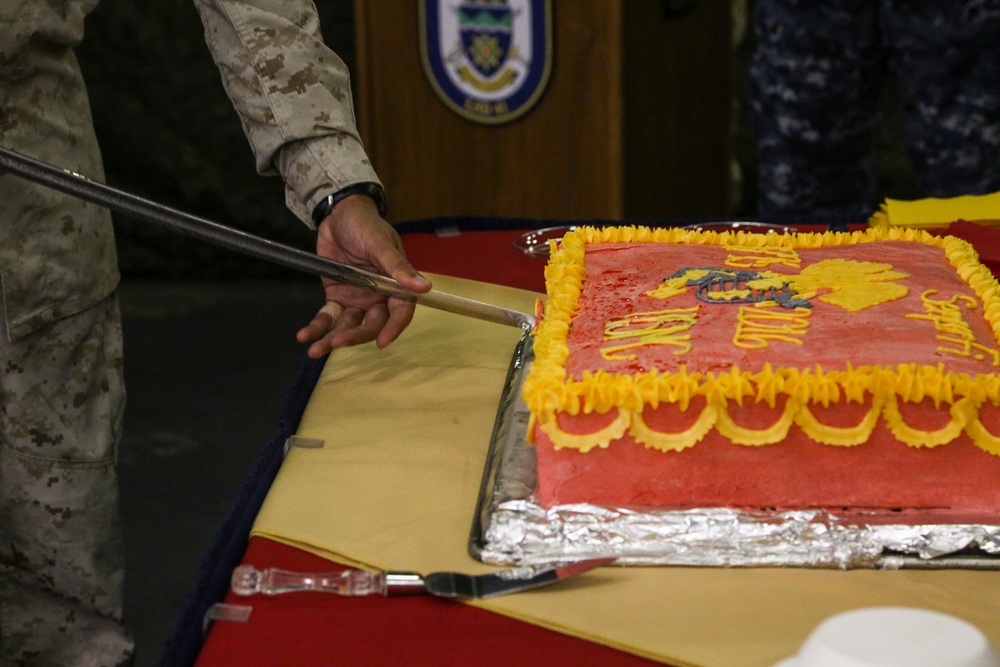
x=488 y=60
x=486 y=35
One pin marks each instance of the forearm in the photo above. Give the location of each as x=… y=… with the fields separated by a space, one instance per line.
x=292 y=94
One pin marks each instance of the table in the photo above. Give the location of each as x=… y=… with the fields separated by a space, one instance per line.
x=355 y=629
x=423 y=629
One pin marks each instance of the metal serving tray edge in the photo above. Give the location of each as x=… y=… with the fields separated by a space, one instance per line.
x=508 y=528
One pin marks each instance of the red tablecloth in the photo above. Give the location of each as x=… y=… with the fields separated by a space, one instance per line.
x=488 y=257
x=320 y=629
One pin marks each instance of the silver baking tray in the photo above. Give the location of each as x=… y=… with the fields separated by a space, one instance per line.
x=509 y=528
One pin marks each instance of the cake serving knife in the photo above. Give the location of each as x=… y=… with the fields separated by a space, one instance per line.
x=83 y=188
x=248 y=580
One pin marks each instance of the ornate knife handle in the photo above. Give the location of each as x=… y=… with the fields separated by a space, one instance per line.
x=248 y=580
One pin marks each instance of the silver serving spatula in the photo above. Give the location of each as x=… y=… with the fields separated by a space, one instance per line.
x=248 y=580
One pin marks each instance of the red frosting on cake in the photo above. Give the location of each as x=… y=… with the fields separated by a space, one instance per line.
x=881 y=481
x=619 y=275
x=881 y=477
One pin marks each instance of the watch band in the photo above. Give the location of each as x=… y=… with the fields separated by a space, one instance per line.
x=373 y=190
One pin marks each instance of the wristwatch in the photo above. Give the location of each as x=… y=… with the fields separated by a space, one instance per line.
x=373 y=190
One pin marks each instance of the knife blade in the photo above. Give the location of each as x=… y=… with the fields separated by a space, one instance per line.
x=248 y=580
x=83 y=188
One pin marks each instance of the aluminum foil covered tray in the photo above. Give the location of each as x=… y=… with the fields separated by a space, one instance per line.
x=510 y=528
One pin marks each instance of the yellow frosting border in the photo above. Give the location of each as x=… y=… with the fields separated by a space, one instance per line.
x=548 y=391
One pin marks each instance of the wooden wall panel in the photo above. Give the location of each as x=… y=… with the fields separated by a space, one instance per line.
x=564 y=159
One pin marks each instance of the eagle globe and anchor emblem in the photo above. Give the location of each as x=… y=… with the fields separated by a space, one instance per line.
x=488 y=60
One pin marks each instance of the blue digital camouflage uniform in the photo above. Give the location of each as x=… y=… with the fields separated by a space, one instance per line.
x=818 y=71
x=61 y=391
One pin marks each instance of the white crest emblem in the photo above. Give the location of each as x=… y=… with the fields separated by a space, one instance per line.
x=488 y=60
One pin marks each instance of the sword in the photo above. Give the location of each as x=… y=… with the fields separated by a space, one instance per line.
x=83 y=188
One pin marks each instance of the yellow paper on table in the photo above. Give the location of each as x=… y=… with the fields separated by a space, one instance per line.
x=406 y=432
x=934 y=212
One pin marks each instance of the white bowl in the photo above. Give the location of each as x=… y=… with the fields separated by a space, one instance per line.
x=894 y=637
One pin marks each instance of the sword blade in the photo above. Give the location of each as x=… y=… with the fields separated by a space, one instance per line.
x=138 y=207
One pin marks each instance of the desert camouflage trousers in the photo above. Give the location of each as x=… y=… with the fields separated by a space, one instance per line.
x=61 y=554
x=819 y=70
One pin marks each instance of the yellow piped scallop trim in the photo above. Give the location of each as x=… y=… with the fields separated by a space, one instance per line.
x=917 y=438
x=982 y=437
x=841 y=437
x=585 y=443
x=741 y=435
x=674 y=442
x=547 y=390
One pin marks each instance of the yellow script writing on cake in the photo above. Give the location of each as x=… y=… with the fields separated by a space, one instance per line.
x=758 y=325
x=952 y=328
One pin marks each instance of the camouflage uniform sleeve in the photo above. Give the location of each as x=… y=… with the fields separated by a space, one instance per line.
x=292 y=94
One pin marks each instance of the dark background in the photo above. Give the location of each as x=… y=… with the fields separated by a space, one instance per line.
x=169 y=133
